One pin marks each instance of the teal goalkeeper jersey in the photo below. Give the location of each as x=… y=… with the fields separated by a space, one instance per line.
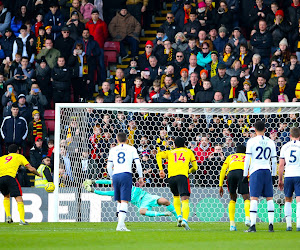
x=137 y=195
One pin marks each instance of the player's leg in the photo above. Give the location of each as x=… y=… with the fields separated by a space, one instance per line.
x=176 y=199
x=268 y=193
x=232 y=182
x=165 y=202
x=288 y=193
x=231 y=210
x=184 y=191
x=246 y=198
x=298 y=212
x=6 y=204
x=21 y=210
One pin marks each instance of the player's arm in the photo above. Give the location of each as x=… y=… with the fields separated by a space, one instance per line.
x=274 y=159
x=33 y=170
x=247 y=160
x=194 y=167
x=223 y=171
x=48 y=175
x=159 y=157
x=110 y=165
x=281 y=168
x=138 y=167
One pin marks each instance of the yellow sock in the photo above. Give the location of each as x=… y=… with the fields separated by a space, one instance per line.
x=6 y=203
x=21 y=211
x=247 y=208
x=177 y=204
x=185 y=209
x=231 y=209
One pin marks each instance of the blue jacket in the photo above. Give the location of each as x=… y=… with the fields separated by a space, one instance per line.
x=220 y=43
x=15 y=27
x=54 y=21
x=91 y=48
x=14 y=129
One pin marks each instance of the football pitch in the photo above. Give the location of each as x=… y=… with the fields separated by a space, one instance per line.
x=148 y=235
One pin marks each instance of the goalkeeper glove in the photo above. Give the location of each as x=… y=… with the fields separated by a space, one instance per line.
x=245 y=179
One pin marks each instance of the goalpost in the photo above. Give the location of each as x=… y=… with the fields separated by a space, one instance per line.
x=84 y=134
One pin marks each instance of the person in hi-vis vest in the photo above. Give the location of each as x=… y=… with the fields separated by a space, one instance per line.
x=45 y=170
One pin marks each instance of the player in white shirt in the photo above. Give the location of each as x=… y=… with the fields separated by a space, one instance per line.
x=119 y=167
x=260 y=150
x=290 y=162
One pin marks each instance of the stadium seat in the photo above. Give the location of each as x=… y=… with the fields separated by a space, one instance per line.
x=50 y=124
x=49 y=114
x=112 y=46
x=111 y=51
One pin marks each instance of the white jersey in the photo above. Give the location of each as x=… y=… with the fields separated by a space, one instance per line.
x=290 y=152
x=260 y=150
x=121 y=157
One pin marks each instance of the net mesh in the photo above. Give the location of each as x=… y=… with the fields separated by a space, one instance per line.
x=87 y=134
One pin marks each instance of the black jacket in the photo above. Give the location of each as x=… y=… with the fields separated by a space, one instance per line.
x=254 y=18
x=61 y=78
x=110 y=98
x=36 y=156
x=144 y=92
x=205 y=96
x=65 y=46
x=280 y=31
x=170 y=30
x=7 y=44
x=262 y=43
x=290 y=92
x=192 y=25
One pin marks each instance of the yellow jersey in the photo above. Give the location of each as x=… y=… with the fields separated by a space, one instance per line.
x=9 y=164
x=232 y=162
x=179 y=160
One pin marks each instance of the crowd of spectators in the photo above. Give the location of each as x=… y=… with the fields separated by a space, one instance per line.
x=204 y=52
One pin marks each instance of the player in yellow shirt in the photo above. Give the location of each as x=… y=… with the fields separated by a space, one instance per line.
x=179 y=160
x=233 y=167
x=9 y=185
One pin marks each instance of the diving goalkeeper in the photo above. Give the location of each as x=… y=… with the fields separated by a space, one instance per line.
x=139 y=198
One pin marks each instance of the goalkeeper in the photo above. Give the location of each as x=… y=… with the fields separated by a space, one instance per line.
x=139 y=198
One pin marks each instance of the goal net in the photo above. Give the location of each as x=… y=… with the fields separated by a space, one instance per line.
x=84 y=134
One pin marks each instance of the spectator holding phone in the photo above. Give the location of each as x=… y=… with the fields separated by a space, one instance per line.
x=75 y=26
x=9 y=97
x=20 y=81
x=36 y=100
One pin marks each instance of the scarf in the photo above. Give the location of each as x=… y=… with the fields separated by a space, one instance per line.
x=249 y=95
x=120 y=87
x=13 y=97
x=40 y=43
x=281 y=89
x=297 y=90
x=83 y=66
x=148 y=55
x=213 y=69
x=186 y=15
x=170 y=55
x=232 y=93
x=280 y=20
x=131 y=136
x=105 y=93
x=37 y=129
x=226 y=57
x=242 y=58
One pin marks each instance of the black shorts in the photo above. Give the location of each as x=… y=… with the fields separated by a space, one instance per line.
x=180 y=185
x=10 y=185
x=234 y=182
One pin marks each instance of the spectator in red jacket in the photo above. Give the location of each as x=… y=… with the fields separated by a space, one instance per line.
x=203 y=150
x=98 y=29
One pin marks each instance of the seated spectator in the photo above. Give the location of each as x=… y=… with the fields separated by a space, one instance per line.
x=202 y=36
x=36 y=100
x=26 y=69
x=236 y=68
x=179 y=63
x=167 y=54
x=221 y=40
x=169 y=91
x=24 y=45
x=169 y=71
x=193 y=88
x=49 y=53
x=170 y=27
x=236 y=40
x=37 y=152
x=258 y=12
x=192 y=27
x=180 y=42
x=55 y=19
x=228 y=146
x=206 y=94
x=158 y=42
x=218 y=97
x=292 y=71
x=108 y=95
x=245 y=95
x=256 y=66
x=5 y=18
x=204 y=56
x=228 y=56
x=244 y=55
x=76 y=7
x=132 y=71
x=182 y=15
x=64 y=43
x=143 y=59
x=138 y=90
x=14 y=128
x=24 y=108
x=183 y=82
x=145 y=76
x=37 y=128
x=213 y=66
x=221 y=80
x=193 y=66
x=262 y=90
x=20 y=81
x=125 y=28
x=192 y=49
x=203 y=150
x=283 y=54
x=231 y=92
x=154 y=92
x=224 y=17
x=278 y=73
x=7 y=41
x=121 y=86
x=61 y=81
x=203 y=76
x=282 y=89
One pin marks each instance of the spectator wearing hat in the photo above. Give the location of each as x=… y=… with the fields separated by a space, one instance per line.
x=24 y=45
x=55 y=19
x=280 y=28
x=36 y=128
x=24 y=110
x=221 y=40
x=213 y=66
x=184 y=80
x=64 y=43
x=237 y=39
x=7 y=41
x=49 y=33
x=36 y=99
x=75 y=26
x=224 y=17
x=206 y=94
x=245 y=95
x=125 y=28
x=283 y=54
x=193 y=26
x=263 y=90
x=204 y=16
x=49 y=53
x=143 y=59
x=221 y=80
x=41 y=39
x=261 y=41
x=5 y=18
x=204 y=56
x=39 y=23
x=170 y=27
x=183 y=13
x=37 y=152
x=14 y=128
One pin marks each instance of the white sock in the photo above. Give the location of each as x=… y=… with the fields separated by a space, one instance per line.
x=253 y=211
x=270 y=206
x=288 y=213
x=118 y=206
x=122 y=214
x=298 y=214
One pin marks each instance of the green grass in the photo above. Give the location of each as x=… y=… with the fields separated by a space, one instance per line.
x=144 y=236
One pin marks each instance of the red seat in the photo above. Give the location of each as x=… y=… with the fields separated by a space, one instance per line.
x=111 y=56
x=50 y=124
x=112 y=46
x=49 y=114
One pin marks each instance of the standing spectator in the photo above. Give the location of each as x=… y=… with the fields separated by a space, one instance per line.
x=121 y=86
x=258 y=12
x=183 y=14
x=61 y=81
x=75 y=26
x=54 y=18
x=38 y=24
x=221 y=80
x=64 y=43
x=37 y=152
x=192 y=27
x=41 y=39
x=6 y=41
x=36 y=100
x=224 y=17
x=19 y=20
x=98 y=29
x=24 y=109
x=8 y=98
x=237 y=39
x=170 y=27
x=36 y=128
x=205 y=95
x=86 y=9
x=292 y=71
x=5 y=18
x=221 y=40
x=14 y=128
x=76 y=7
x=125 y=28
x=49 y=53
x=99 y=6
x=24 y=45
x=261 y=41
x=108 y=95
